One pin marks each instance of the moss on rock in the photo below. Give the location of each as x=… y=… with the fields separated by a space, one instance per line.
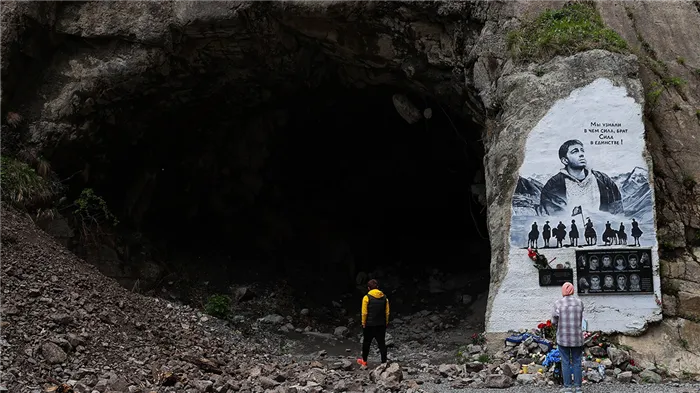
x=574 y=28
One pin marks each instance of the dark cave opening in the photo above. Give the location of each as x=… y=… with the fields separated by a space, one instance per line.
x=324 y=188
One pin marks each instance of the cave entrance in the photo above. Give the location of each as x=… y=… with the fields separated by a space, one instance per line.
x=325 y=188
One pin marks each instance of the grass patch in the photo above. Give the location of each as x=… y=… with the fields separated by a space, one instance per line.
x=574 y=28
x=675 y=81
x=680 y=60
x=484 y=358
x=624 y=347
x=218 y=306
x=22 y=186
x=657 y=88
x=655 y=93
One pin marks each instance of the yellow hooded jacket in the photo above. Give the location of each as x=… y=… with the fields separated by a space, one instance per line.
x=376 y=294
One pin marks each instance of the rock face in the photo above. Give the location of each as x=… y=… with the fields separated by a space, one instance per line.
x=74 y=70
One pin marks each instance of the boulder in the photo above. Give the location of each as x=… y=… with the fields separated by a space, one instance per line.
x=53 y=353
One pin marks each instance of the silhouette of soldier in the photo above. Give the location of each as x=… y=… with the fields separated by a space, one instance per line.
x=573 y=233
x=621 y=235
x=561 y=234
x=608 y=234
x=636 y=232
x=589 y=233
x=533 y=235
x=546 y=233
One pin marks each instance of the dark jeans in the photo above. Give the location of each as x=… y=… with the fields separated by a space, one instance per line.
x=571 y=364
x=370 y=333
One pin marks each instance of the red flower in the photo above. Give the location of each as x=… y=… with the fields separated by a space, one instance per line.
x=632 y=362
x=541 y=326
x=549 y=323
x=532 y=254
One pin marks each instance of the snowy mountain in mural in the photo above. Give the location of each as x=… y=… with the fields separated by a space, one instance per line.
x=634 y=189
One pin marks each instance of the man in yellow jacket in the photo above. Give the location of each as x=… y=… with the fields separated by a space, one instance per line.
x=375 y=319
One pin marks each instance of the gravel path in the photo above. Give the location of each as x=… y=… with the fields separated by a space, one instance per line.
x=598 y=388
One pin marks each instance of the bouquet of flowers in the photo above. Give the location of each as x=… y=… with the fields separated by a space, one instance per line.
x=547 y=330
x=539 y=259
x=478 y=339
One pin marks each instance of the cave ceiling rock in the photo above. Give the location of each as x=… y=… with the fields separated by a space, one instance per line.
x=180 y=52
x=406 y=109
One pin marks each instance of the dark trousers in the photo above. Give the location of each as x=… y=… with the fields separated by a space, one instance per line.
x=374 y=332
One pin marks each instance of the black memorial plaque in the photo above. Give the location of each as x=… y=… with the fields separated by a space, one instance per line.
x=555 y=277
x=614 y=271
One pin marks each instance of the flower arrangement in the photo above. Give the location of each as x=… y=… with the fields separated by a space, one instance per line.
x=478 y=339
x=540 y=260
x=547 y=330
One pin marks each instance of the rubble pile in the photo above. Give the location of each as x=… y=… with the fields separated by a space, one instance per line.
x=530 y=359
x=67 y=328
x=65 y=323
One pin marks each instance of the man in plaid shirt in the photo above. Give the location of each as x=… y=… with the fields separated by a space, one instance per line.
x=567 y=315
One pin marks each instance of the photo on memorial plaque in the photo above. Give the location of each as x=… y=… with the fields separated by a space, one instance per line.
x=620 y=271
x=593 y=263
x=620 y=263
x=584 y=182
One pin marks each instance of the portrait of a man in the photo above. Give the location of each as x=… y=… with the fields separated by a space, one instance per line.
x=608 y=282
x=621 y=283
x=633 y=262
x=578 y=185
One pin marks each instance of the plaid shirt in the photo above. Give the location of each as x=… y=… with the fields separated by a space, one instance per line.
x=567 y=314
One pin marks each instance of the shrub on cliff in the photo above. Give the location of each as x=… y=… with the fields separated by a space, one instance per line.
x=574 y=28
x=22 y=186
x=92 y=214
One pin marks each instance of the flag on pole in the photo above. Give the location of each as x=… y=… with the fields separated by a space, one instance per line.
x=577 y=210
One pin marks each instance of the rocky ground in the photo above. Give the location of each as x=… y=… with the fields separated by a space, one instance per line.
x=65 y=323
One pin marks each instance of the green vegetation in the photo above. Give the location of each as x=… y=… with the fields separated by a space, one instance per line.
x=574 y=28
x=674 y=81
x=218 y=306
x=655 y=93
x=624 y=347
x=92 y=209
x=684 y=343
x=478 y=339
x=689 y=181
x=484 y=358
x=658 y=88
x=680 y=60
x=91 y=214
x=22 y=185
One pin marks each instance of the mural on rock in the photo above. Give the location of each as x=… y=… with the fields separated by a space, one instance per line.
x=584 y=183
x=584 y=200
